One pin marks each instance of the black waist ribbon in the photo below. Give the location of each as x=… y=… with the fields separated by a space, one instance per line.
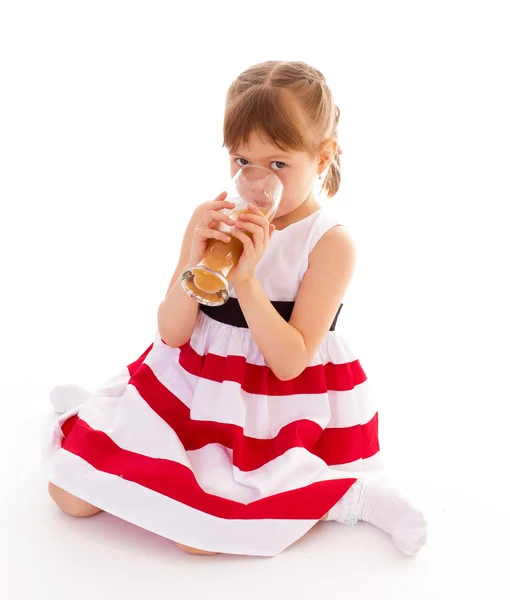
x=230 y=313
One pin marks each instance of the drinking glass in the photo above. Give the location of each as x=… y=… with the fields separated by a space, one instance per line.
x=208 y=281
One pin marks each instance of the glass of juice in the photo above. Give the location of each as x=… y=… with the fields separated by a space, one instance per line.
x=208 y=281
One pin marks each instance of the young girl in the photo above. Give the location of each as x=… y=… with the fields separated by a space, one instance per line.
x=242 y=426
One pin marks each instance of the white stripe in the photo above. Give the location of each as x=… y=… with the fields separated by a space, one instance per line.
x=259 y=416
x=371 y=464
x=169 y=518
x=296 y=468
x=213 y=337
x=133 y=425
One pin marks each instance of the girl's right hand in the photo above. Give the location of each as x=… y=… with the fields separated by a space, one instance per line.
x=207 y=227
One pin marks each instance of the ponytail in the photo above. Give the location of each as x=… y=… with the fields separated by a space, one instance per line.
x=332 y=180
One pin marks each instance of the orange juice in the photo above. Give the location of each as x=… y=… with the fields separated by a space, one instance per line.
x=222 y=258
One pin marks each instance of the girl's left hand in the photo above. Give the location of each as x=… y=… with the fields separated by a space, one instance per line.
x=254 y=245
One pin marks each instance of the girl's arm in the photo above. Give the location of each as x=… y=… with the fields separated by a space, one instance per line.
x=177 y=313
x=289 y=347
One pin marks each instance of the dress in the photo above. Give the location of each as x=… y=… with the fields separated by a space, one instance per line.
x=204 y=445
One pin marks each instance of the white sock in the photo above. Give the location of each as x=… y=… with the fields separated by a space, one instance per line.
x=66 y=397
x=346 y=510
x=376 y=501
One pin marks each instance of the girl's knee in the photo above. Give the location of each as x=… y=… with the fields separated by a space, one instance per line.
x=191 y=550
x=73 y=506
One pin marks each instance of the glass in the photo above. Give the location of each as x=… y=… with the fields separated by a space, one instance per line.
x=208 y=282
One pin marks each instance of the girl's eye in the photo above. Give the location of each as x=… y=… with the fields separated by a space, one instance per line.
x=242 y=162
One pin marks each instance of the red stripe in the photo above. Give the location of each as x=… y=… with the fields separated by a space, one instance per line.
x=133 y=367
x=335 y=446
x=259 y=379
x=68 y=424
x=178 y=482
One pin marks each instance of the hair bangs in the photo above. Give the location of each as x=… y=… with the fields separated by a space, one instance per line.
x=269 y=112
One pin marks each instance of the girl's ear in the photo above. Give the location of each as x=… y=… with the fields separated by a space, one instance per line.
x=327 y=153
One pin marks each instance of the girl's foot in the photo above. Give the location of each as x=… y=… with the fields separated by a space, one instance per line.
x=375 y=501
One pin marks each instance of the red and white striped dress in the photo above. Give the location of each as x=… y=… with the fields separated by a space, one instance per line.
x=204 y=445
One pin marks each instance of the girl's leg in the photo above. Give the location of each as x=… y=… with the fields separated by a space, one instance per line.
x=71 y=504
x=191 y=550
x=196 y=551
x=79 y=508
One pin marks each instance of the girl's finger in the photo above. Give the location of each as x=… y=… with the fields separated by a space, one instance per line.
x=253 y=228
x=246 y=240
x=260 y=221
x=208 y=233
x=217 y=204
x=257 y=232
x=256 y=210
x=257 y=213
x=222 y=196
x=221 y=202
x=216 y=215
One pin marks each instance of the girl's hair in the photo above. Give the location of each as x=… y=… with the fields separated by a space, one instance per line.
x=288 y=103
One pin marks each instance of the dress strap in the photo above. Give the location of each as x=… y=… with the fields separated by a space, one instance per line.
x=230 y=313
x=322 y=225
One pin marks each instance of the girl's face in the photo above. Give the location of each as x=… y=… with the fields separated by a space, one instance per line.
x=297 y=170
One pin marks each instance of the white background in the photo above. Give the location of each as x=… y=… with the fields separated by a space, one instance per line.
x=110 y=134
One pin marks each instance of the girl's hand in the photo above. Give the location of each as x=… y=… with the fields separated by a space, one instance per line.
x=255 y=244
x=207 y=228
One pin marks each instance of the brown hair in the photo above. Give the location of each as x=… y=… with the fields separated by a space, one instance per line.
x=265 y=98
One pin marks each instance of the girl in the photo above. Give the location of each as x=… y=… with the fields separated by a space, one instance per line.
x=242 y=426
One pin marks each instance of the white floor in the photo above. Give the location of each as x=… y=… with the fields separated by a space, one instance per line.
x=48 y=555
